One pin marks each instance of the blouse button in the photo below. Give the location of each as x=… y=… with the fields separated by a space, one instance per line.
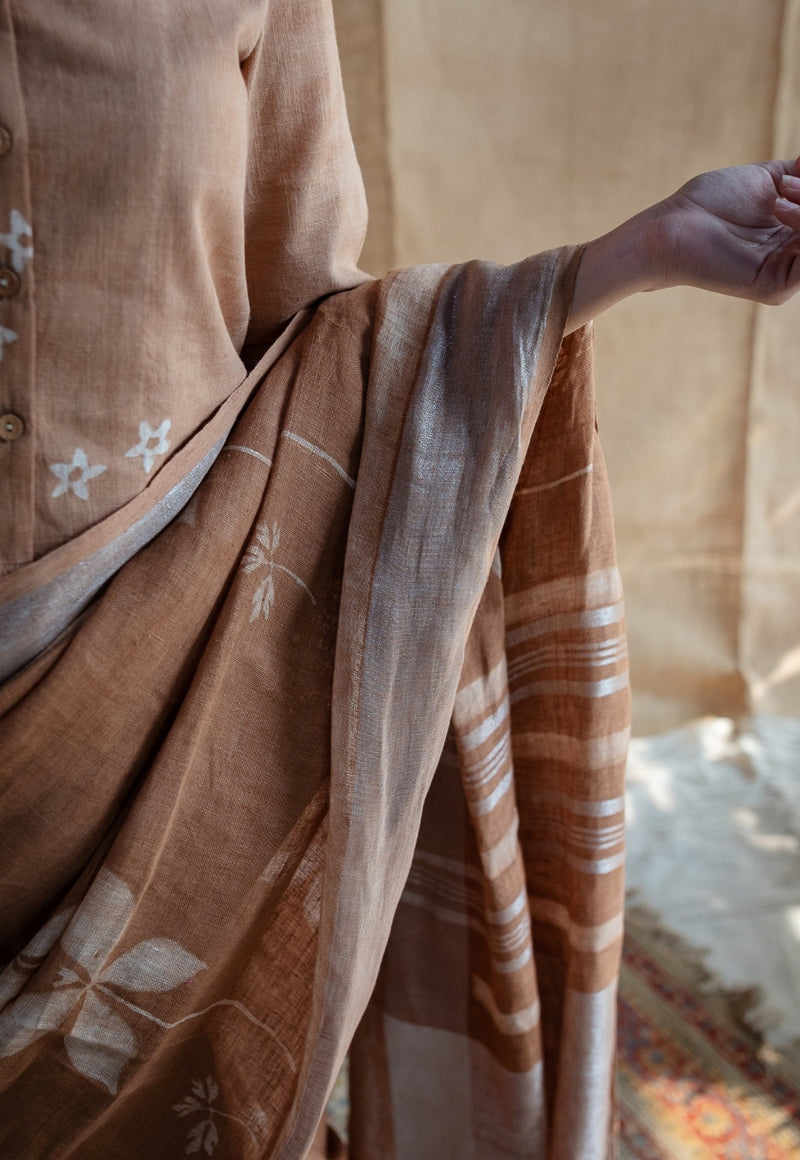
x=11 y=427
x=9 y=282
x=6 y=140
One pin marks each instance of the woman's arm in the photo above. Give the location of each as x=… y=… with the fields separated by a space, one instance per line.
x=734 y=231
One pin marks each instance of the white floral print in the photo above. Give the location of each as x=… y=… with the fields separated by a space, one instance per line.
x=69 y=481
x=20 y=969
x=6 y=337
x=100 y=1043
x=204 y=1132
x=20 y=254
x=151 y=443
x=261 y=554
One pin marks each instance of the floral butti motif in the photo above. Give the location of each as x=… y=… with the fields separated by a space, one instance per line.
x=21 y=252
x=68 y=480
x=261 y=554
x=151 y=444
x=201 y=1105
x=100 y=1042
x=6 y=336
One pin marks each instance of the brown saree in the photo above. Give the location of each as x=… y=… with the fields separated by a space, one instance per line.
x=338 y=754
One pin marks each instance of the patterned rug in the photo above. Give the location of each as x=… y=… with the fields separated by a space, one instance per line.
x=694 y=1083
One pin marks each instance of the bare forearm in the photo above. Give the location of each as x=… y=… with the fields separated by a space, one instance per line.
x=612 y=267
x=732 y=231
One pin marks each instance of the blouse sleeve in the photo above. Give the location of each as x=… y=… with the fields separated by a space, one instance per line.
x=305 y=208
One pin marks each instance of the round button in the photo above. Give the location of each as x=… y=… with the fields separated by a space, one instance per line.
x=9 y=282
x=6 y=140
x=11 y=427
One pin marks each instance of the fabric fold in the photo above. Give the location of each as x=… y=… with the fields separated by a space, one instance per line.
x=223 y=770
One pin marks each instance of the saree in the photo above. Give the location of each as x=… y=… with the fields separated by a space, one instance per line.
x=336 y=759
x=314 y=741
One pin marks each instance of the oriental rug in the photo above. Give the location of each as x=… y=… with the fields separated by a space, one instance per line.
x=694 y=1083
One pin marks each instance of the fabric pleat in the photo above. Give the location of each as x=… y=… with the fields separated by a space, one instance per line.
x=341 y=746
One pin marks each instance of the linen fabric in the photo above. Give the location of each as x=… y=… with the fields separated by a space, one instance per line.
x=180 y=183
x=338 y=679
x=220 y=770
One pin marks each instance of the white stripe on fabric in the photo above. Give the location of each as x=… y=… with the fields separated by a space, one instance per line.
x=556 y=482
x=500 y=856
x=603 y=838
x=588 y=1038
x=501 y=917
x=605 y=808
x=564 y=594
x=606 y=652
x=518 y=934
x=597 y=866
x=593 y=753
x=481 y=772
x=513 y=1023
x=476 y=1107
x=599 y=839
x=588 y=939
x=428 y=885
x=247 y=451
x=588 y=689
x=503 y=945
x=432 y=874
x=476 y=697
x=483 y=732
x=312 y=447
x=602 y=617
x=508 y=966
x=487 y=804
x=589 y=648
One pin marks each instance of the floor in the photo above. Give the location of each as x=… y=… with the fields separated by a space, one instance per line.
x=714 y=852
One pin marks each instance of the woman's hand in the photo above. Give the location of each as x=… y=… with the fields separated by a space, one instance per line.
x=733 y=231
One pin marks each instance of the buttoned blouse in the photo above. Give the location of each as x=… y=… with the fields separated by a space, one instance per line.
x=176 y=182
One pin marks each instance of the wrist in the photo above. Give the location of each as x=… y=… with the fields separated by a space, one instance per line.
x=622 y=262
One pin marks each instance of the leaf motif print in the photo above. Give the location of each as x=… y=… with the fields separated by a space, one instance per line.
x=203 y=1135
x=187 y=1106
x=263 y=599
x=261 y=554
x=95 y=929
x=157 y=964
x=100 y=1043
x=66 y=978
x=254 y=558
x=19 y=970
x=30 y=1017
x=12 y=980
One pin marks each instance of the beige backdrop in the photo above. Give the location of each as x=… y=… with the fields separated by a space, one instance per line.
x=495 y=128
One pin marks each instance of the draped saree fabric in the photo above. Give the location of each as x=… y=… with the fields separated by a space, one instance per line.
x=312 y=739
x=215 y=779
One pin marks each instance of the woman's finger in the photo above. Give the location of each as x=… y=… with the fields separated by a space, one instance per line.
x=787 y=213
x=790 y=188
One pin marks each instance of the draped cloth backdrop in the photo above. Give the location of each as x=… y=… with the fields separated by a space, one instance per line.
x=501 y=129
